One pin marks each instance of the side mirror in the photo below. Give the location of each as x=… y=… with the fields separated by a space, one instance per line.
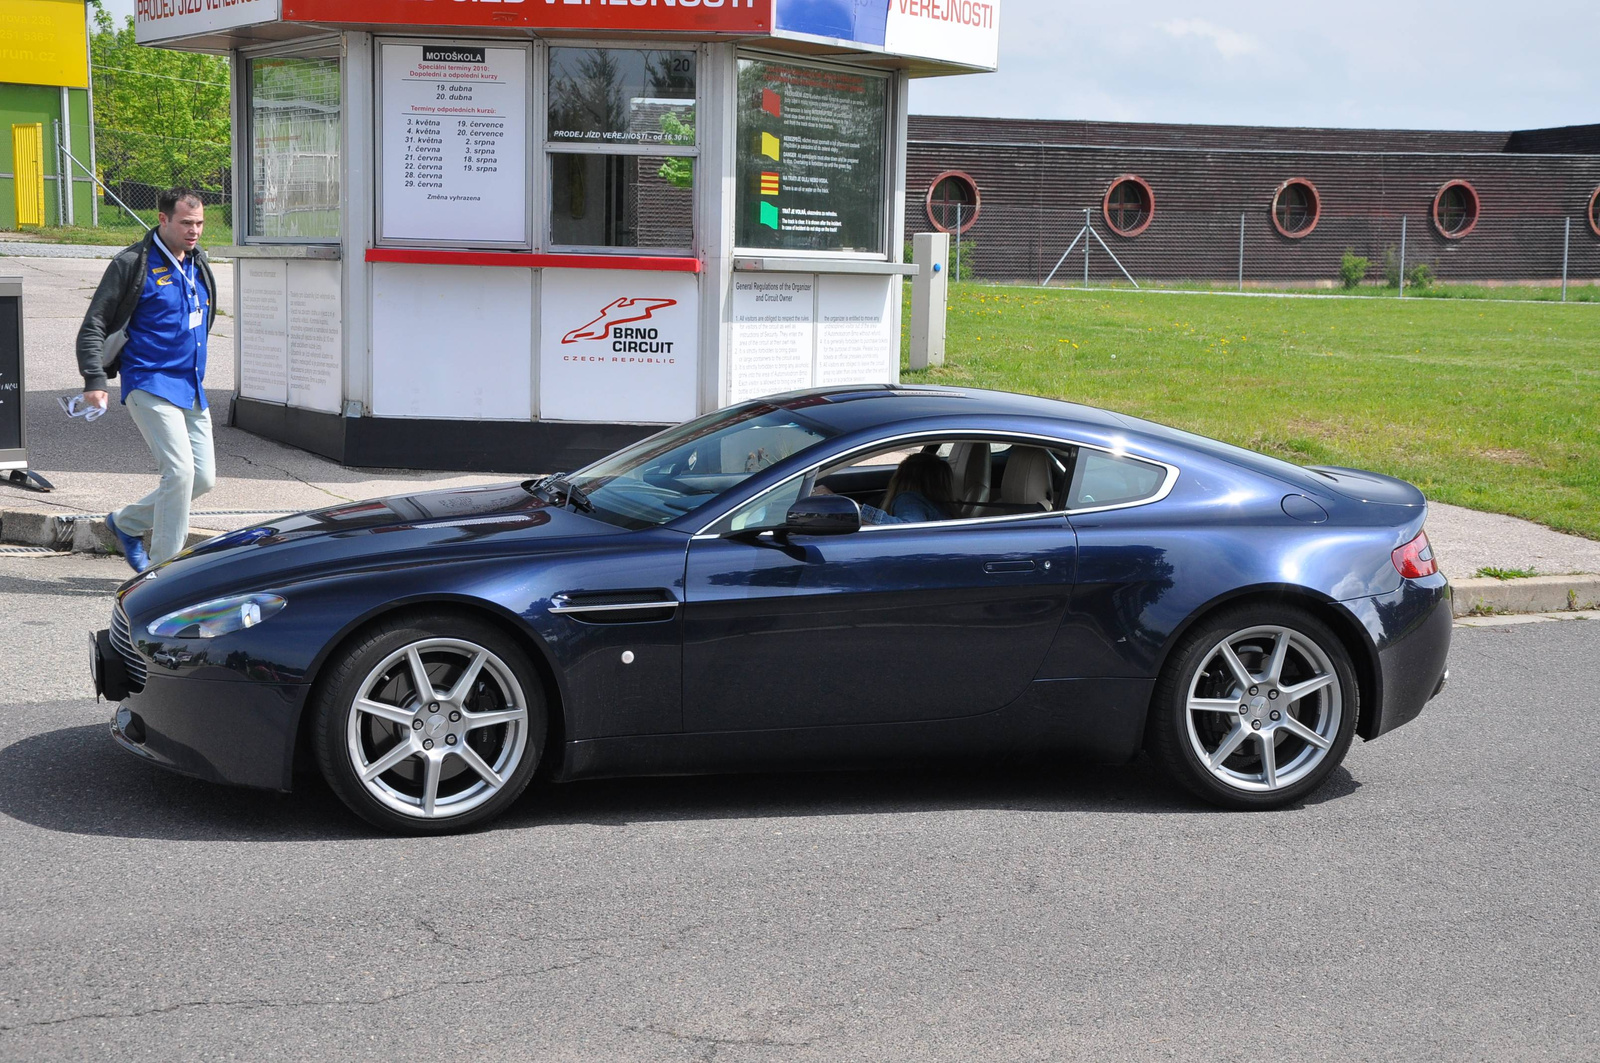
x=823 y=515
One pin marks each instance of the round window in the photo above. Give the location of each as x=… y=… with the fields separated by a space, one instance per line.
x=1129 y=205
x=1594 y=212
x=1296 y=207
x=1455 y=209
x=953 y=202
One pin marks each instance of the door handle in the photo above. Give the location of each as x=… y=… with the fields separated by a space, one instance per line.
x=995 y=567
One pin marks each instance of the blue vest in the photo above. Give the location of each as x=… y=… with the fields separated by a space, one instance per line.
x=164 y=355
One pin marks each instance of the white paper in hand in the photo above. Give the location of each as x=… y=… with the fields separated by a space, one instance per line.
x=76 y=407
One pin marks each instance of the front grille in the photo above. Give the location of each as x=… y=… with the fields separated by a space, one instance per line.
x=122 y=639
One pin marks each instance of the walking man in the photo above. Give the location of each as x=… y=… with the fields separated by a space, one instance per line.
x=149 y=319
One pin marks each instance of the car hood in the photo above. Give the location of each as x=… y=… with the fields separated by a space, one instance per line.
x=450 y=524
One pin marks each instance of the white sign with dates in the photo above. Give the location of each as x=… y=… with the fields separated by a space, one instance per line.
x=455 y=148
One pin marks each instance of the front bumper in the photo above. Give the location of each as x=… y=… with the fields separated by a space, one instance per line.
x=236 y=732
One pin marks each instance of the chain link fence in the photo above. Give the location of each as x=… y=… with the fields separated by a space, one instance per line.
x=136 y=157
x=1251 y=250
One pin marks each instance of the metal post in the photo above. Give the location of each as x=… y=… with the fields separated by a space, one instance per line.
x=1566 y=244
x=60 y=205
x=94 y=197
x=66 y=150
x=1403 y=220
x=957 y=277
x=1088 y=229
x=1241 y=252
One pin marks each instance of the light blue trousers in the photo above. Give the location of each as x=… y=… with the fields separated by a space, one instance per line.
x=180 y=440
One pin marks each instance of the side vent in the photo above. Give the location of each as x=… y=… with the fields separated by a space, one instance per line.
x=649 y=606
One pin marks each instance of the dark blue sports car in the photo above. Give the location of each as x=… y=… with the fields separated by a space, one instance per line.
x=823 y=578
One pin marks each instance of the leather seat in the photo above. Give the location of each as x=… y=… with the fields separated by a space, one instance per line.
x=1027 y=476
x=969 y=466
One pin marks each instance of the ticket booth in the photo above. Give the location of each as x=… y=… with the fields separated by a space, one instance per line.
x=514 y=235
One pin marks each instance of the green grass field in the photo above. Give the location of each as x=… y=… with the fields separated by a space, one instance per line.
x=1490 y=405
x=118 y=230
x=1577 y=292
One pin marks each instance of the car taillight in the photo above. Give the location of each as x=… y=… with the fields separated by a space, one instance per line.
x=1415 y=559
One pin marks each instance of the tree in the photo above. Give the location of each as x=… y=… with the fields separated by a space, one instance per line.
x=161 y=117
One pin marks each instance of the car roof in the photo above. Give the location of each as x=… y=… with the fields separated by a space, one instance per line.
x=860 y=407
x=857 y=407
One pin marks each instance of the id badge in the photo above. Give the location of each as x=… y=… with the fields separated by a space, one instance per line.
x=195 y=317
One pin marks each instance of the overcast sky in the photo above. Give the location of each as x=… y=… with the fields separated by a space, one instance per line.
x=1406 y=64
x=1409 y=64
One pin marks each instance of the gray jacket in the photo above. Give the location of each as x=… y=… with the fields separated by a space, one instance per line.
x=104 y=328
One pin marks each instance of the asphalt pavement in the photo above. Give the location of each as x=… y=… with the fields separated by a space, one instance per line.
x=1436 y=901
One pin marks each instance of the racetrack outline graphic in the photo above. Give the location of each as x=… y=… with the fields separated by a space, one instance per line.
x=622 y=312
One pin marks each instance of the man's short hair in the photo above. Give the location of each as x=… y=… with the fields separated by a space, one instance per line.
x=173 y=196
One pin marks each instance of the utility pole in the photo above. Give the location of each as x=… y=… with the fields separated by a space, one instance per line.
x=1402 y=256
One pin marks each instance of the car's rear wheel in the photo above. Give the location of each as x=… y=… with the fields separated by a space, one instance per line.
x=1256 y=707
x=430 y=724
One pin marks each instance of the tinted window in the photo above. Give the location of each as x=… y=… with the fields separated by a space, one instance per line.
x=681 y=469
x=1107 y=480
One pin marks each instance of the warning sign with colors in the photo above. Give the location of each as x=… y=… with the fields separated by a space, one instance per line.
x=811 y=158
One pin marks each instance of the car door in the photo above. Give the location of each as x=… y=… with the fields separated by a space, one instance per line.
x=893 y=623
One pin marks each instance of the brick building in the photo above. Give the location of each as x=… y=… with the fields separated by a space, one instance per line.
x=1188 y=202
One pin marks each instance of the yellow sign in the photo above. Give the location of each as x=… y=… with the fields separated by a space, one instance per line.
x=44 y=42
x=769 y=146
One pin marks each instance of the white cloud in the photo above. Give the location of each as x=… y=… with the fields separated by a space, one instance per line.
x=1229 y=43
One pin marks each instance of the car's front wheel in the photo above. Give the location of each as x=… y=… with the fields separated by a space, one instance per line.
x=1255 y=708
x=430 y=724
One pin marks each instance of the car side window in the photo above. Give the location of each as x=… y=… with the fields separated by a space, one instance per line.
x=764 y=512
x=1102 y=479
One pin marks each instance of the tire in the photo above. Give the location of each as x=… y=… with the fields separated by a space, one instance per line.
x=1281 y=713
x=446 y=762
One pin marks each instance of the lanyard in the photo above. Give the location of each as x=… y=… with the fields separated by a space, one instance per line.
x=190 y=285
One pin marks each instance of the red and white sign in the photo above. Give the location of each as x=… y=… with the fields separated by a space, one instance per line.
x=618 y=345
x=650 y=16
x=165 y=20
x=956 y=31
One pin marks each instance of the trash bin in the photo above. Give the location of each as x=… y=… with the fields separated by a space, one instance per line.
x=13 y=395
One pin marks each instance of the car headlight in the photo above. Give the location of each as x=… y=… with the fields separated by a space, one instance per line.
x=220 y=616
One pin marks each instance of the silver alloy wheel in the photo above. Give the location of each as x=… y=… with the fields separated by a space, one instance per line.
x=1264 y=708
x=437 y=728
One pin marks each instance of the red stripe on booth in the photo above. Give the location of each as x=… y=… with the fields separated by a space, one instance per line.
x=417 y=257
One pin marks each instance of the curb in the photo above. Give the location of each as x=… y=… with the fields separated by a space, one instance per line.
x=78 y=533
x=1483 y=596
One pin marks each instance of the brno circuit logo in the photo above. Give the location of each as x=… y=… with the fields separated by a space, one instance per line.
x=624 y=311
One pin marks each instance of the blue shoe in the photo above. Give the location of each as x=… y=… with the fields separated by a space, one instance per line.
x=132 y=546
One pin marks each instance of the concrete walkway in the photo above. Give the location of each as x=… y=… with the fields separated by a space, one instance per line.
x=100 y=466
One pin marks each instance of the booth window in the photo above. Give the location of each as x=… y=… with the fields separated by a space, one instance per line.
x=809 y=158
x=294 y=115
x=1296 y=207
x=1129 y=205
x=953 y=201
x=1455 y=210
x=622 y=147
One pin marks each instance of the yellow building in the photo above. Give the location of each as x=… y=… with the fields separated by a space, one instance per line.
x=45 y=113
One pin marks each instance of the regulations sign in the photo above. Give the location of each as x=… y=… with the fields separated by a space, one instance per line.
x=810 y=158
x=455 y=149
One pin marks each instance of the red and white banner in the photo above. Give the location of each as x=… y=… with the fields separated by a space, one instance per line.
x=957 y=31
x=165 y=20
x=649 y=16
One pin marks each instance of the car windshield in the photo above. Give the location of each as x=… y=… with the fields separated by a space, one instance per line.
x=683 y=468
